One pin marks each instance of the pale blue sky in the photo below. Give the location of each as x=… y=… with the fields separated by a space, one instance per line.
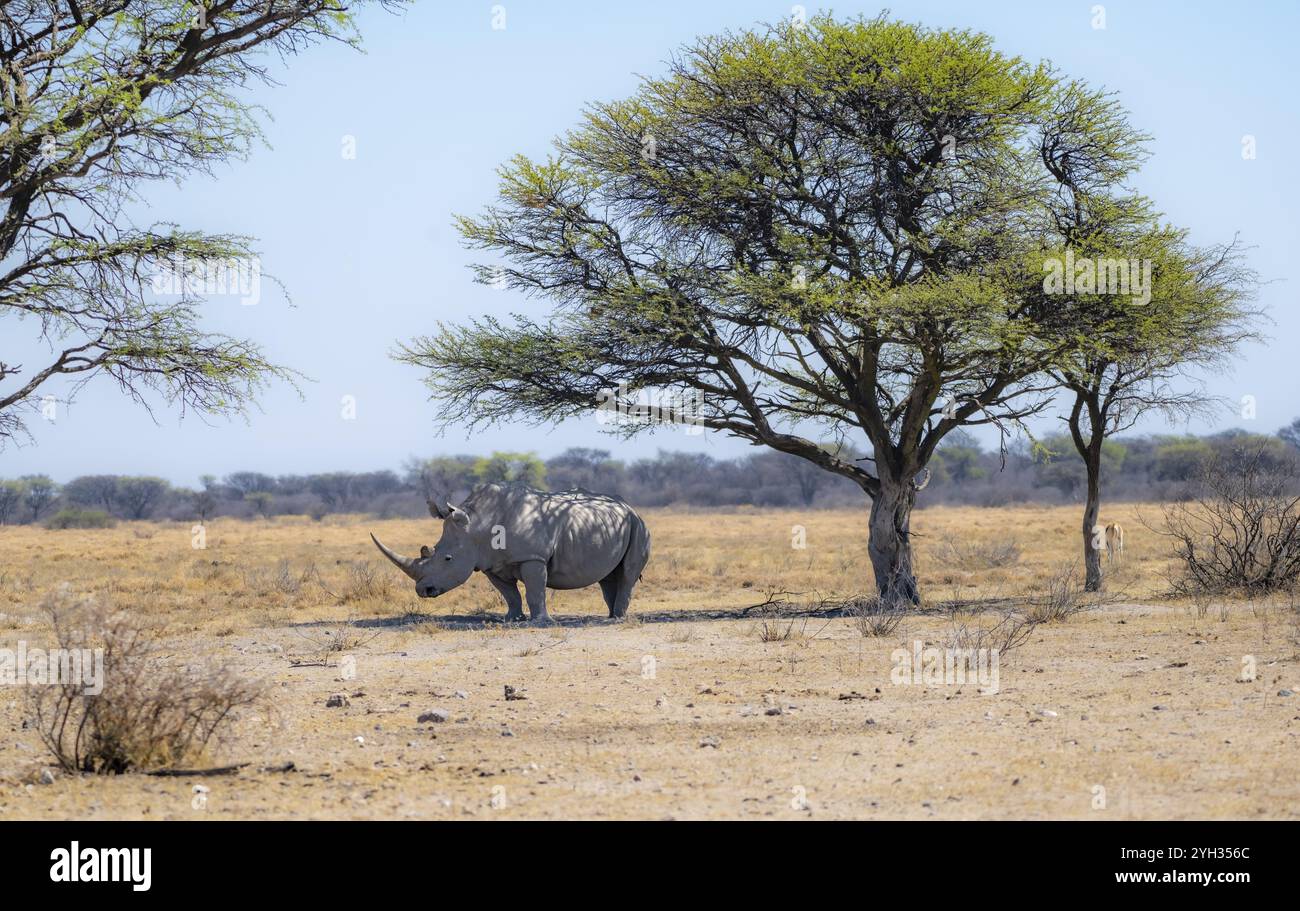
x=368 y=252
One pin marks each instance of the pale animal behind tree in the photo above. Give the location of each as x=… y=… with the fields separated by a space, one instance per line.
x=1113 y=538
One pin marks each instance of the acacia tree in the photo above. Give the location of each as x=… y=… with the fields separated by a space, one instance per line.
x=1151 y=310
x=38 y=493
x=1144 y=359
x=98 y=97
x=99 y=490
x=140 y=496
x=820 y=230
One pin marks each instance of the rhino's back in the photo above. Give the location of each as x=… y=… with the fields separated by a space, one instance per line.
x=581 y=535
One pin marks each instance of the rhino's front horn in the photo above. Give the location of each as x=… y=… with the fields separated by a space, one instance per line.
x=405 y=564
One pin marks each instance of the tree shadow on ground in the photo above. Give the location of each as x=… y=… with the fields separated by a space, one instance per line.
x=767 y=610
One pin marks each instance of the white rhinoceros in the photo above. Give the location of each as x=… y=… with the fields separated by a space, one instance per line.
x=515 y=534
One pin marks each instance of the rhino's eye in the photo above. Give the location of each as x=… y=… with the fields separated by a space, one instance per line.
x=447 y=558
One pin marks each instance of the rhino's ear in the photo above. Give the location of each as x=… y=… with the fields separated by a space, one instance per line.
x=458 y=515
x=438 y=512
x=425 y=552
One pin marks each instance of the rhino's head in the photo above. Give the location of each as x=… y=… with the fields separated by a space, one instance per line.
x=451 y=561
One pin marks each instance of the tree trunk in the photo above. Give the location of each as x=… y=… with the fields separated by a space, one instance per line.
x=890 y=544
x=1089 y=449
x=1091 y=511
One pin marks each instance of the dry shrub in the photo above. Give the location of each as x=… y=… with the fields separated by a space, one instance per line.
x=1200 y=603
x=365 y=581
x=150 y=713
x=775 y=628
x=290 y=582
x=975 y=555
x=1241 y=531
x=873 y=617
x=1010 y=630
x=340 y=636
x=775 y=612
x=1063 y=599
x=283 y=580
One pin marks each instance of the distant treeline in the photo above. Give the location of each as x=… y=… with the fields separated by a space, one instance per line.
x=1158 y=467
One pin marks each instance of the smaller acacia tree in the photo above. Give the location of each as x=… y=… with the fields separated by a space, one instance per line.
x=1146 y=310
x=1149 y=356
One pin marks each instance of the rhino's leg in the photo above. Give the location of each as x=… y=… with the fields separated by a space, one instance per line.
x=629 y=570
x=609 y=588
x=622 y=593
x=617 y=589
x=510 y=593
x=534 y=575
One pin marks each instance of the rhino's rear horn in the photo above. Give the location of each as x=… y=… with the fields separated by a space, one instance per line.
x=405 y=564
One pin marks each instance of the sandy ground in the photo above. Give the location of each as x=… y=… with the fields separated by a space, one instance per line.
x=691 y=709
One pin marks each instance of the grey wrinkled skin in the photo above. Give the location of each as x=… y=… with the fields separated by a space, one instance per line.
x=515 y=534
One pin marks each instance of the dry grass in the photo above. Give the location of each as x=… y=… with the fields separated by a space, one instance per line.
x=613 y=714
x=977 y=554
x=293 y=566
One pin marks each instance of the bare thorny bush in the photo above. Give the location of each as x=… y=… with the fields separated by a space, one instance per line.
x=875 y=617
x=1065 y=596
x=363 y=581
x=151 y=713
x=969 y=630
x=1241 y=530
x=774 y=628
x=1202 y=604
x=332 y=638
